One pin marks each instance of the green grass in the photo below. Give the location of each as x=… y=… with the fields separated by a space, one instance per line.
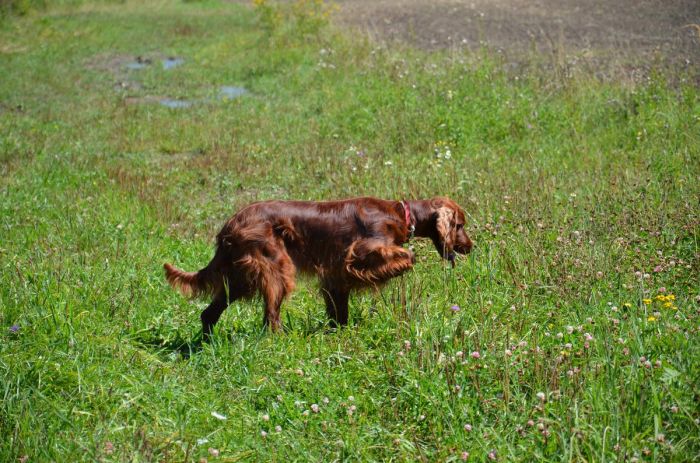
x=582 y=198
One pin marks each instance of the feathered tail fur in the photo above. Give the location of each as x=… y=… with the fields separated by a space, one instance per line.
x=191 y=284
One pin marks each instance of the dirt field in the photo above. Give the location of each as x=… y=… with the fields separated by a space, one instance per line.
x=630 y=30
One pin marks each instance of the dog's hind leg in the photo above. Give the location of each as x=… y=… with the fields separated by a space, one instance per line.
x=273 y=296
x=212 y=313
x=271 y=271
x=277 y=284
x=222 y=299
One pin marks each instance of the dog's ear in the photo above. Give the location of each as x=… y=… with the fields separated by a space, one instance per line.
x=445 y=226
x=443 y=220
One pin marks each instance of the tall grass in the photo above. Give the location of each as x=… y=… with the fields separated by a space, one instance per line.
x=570 y=333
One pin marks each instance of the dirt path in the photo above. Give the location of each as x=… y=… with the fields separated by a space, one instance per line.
x=631 y=30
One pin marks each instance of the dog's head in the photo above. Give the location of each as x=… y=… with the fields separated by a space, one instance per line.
x=448 y=234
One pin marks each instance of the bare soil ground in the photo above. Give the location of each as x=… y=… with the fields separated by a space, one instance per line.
x=631 y=31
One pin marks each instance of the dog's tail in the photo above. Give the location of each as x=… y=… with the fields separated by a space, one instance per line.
x=192 y=284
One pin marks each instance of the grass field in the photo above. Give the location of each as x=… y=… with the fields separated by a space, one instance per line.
x=571 y=333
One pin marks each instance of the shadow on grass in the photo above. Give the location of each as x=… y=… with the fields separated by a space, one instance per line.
x=314 y=325
x=170 y=344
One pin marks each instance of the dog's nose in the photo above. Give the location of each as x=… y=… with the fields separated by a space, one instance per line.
x=468 y=246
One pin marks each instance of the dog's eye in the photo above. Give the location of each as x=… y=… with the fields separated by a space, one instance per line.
x=460 y=226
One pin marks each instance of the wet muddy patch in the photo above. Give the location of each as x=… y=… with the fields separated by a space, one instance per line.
x=176 y=104
x=228 y=92
x=172 y=63
x=126 y=69
x=127 y=72
x=143 y=63
x=224 y=93
x=138 y=63
x=118 y=64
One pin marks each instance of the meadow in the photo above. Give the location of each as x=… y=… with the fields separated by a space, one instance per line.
x=129 y=132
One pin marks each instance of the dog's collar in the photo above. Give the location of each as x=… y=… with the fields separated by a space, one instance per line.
x=407 y=217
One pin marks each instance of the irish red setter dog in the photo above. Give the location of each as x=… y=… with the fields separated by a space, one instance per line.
x=349 y=244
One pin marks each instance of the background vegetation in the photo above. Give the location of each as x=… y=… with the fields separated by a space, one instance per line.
x=569 y=334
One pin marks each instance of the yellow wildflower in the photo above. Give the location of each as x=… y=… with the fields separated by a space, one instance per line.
x=660 y=297
x=670 y=297
x=646 y=301
x=627 y=304
x=651 y=318
x=668 y=305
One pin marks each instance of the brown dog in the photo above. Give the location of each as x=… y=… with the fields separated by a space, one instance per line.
x=349 y=244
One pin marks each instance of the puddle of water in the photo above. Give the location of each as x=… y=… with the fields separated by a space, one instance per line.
x=175 y=104
x=228 y=92
x=138 y=63
x=170 y=63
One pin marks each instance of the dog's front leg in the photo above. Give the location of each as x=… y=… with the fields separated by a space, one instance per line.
x=336 y=298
